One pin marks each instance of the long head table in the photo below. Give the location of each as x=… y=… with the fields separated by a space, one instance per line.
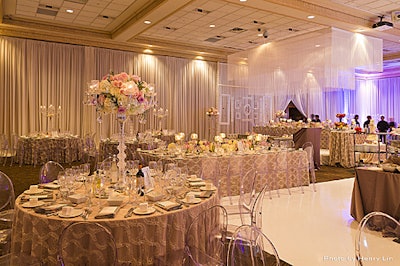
x=283 y=168
x=154 y=239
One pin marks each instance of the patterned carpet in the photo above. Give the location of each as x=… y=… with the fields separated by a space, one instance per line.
x=27 y=175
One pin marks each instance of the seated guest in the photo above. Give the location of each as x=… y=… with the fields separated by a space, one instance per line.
x=316 y=119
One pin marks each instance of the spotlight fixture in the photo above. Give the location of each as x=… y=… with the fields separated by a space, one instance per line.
x=262 y=33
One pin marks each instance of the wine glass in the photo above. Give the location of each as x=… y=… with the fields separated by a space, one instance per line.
x=132 y=189
x=61 y=178
x=85 y=169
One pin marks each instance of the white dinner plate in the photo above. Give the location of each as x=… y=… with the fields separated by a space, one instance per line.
x=30 y=205
x=213 y=188
x=30 y=192
x=193 y=201
x=51 y=186
x=74 y=213
x=138 y=211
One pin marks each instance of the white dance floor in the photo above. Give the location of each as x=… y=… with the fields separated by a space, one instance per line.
x=314 y=228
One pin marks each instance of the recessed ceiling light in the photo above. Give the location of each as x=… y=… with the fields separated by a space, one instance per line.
x=148 y=51
x=317 y=45
x=311 y=17
x=243 y=0
x=199 y=57
x=212 y=26
x=69 y=11
x=147 y=22
x=260 y=34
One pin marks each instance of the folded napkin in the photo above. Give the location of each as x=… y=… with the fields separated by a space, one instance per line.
x=50 y=186
x=107 y=212
x=47 y=196
x=197 y=184
x=49 y=208
x=169 y=205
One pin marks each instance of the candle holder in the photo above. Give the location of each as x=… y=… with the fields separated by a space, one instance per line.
x=49 y=112
x=160 y=114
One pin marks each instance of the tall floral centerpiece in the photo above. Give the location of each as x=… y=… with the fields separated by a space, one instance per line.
x=123 y=95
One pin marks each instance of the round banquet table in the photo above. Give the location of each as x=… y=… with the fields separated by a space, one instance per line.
x=155 y=239
x=39 y=149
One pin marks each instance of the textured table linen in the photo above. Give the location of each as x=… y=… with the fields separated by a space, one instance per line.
x=341 y=148
x=281 y=169
x=39 y=150
x=155 y=239
x=375 y=190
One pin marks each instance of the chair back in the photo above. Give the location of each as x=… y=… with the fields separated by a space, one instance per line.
x=7 y=194
x=247 y=195
x=86 y=243
x=257 y=207
x=309 y=148
x=205 y=242
x=374 y=237
x=249 y=246
x=49 y=172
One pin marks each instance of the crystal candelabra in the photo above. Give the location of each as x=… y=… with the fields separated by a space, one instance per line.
x=49 y=112
x=160 y=114
x=212 y=113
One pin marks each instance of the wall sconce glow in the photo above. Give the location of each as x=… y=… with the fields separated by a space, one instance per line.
x=69 y=11
x=311 y=17
x=147 y=22
x=147 y=51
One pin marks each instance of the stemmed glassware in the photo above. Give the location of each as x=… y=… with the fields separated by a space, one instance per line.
x=131 y=189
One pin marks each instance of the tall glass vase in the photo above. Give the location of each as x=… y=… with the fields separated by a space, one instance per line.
x=121 y=118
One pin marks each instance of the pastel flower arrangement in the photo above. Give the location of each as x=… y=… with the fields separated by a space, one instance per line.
x=122 y=93
x=340 y=125
x=280 y=113
x=212 y=111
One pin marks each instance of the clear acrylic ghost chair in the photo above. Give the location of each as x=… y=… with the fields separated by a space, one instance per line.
x=248 y=196
x=249 y=246
x=14 y=148
x=49 y=172
x=210 y=170
x=12 y=259
x=7 y=194
x=309 y=148
x=205 y=240
x=373 y=240
x=4 y=148
x=257 y=208
x=86 y=243
x=7 y=202
x=267 y=175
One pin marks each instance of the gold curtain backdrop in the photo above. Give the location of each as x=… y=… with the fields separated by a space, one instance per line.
x=35 y=73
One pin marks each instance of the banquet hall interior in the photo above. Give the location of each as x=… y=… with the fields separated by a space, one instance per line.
x=135 y=119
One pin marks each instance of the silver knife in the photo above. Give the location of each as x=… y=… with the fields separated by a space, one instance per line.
x=129 y=213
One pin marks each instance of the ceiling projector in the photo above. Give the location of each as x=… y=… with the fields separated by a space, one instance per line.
x=382 y=25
